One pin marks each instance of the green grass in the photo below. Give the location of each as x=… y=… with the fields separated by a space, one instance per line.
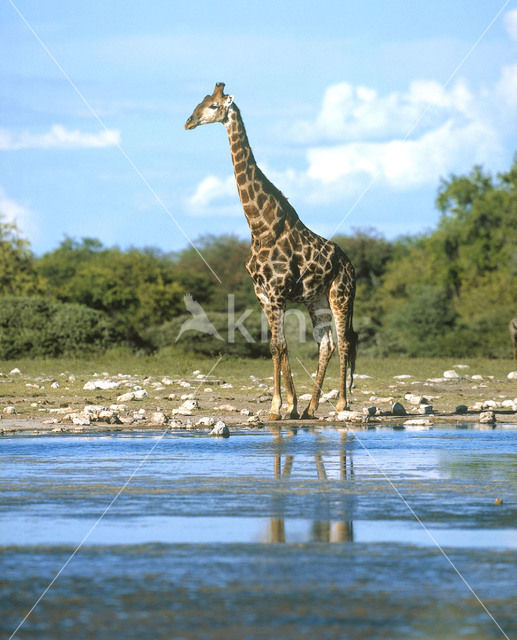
x=32 y=390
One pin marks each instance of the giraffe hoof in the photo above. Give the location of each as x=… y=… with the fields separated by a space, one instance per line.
x=292 y=415
x=274 y=416
x=307 y=416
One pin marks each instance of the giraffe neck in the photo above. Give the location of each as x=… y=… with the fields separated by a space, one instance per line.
x=264 y=205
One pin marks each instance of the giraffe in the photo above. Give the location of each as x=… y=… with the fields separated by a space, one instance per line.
x=287 y=262
x=513 y=336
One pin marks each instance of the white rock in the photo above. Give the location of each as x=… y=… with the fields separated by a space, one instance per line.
x=461 y=366
x=118 y=408
x=158 y=418
x=377 y=399
x=80 y=420
x=511 y=376
x=55 y=385
x=220 y=430
x=126 y=397
x=227 y=385
x=487 y=417
x=425 y=409
x=195 y=373
x=72 y=378
x=167 y=381
x=351 y=416
x=476 y=376
x=362 y=376
x=254 y=420
x=101 y=384
x=305 y=397
x=172 y=396
x=186 y=408
x=208 y=390
x=451 y=374
x=92 y=411
x=190 y=404
x=403 y=376
x=184 y=384
x=10 y=410
x=140 y=394
x=206 y=421
x=331 y=395
x=415 y=400
x=187 y=396
x=15 y=372
x=417 y=422
x=225 y=407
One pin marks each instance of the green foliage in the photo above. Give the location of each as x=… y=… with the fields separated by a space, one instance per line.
x=215 y=270
x=176 y=334
x=135 y=288
x=422 y=324
x=17 y=273
x=469 y=262
x=31 y=327
x=448 y=292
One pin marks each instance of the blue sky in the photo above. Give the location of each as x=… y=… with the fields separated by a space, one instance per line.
x=354 y=109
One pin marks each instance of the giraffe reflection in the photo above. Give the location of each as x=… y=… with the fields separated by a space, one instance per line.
x=322 y=530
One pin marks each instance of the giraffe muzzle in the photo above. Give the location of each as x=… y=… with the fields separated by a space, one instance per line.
x=191 y=123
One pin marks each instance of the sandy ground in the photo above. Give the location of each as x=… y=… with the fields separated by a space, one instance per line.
x=123 y=402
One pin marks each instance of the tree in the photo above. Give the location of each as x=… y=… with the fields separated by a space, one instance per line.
x=17 y=272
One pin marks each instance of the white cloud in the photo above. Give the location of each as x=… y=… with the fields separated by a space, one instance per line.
x=357 y=113
x=401 y=140
x=404 y=164
x=510 y=22
x=210 y=190
x=14 y=212
x=58 y=137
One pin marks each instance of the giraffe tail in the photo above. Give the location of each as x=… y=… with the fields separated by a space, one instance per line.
x=352 y=354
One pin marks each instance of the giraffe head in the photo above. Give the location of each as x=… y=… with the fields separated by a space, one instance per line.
x=212 y=108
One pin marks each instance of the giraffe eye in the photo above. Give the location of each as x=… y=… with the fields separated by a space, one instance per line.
x=214 y=106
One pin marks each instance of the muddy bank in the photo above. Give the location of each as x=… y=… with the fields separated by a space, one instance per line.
x=72 y=402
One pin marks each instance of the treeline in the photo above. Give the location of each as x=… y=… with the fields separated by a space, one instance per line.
x=451 y=291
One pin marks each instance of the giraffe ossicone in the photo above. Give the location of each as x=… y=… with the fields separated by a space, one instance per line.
x=287 y=262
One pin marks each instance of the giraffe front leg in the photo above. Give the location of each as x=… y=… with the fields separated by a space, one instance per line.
x=290 y=391
x=276 y=403
x=275 y=315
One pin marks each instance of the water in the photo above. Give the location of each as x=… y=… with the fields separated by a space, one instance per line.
x=370 y=534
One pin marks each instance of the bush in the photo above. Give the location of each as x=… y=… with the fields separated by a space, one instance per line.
x=39 y=327
x=176 y=333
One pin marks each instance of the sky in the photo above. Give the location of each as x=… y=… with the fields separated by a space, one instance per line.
x=355 y=109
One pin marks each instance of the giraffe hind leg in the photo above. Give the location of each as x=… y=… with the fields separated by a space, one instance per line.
x=341 y=300
x=321 y=317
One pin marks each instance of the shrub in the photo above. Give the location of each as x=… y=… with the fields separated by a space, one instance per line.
x=195 y=341
x=39 y=327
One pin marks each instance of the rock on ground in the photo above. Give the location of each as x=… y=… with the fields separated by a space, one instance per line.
x=398 y=409
x=220 y=430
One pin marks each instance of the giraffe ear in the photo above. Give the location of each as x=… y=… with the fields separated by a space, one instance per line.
x=228 y=101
